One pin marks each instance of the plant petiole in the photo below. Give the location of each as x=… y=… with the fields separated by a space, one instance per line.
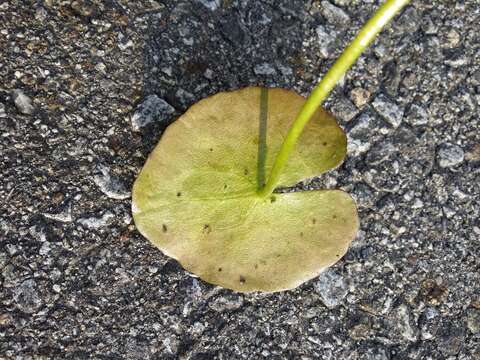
x=363 y=39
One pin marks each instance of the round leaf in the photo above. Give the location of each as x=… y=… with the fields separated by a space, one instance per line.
x=196 y=197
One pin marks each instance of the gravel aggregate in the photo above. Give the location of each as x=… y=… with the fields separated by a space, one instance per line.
x=87 y=88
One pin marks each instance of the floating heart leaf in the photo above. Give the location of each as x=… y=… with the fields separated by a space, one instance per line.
x=197 y=197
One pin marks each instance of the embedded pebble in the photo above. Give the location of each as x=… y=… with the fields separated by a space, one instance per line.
x=40 y=13
x=359 y=96
x=22 y=102
x=226 y=302
x=404 y=324
x=186 y=98
x=360 y=135
x=27 y=297
x=151 y=109
x=2 y=111
x=453 y=38
x=409 y=21
x=64 y=216
x=417 y=116
x=210 y=4
x=451 y=338
x=390 y=111
x=264 y=69
x=334 y=14
x=331 y=287
x=110 y=185
x=83 y=8
x=96 y=222
x=450 y=155
x=326 y=41
x=473 y=320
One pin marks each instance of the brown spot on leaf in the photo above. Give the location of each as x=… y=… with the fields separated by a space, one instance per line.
x=164 y=228
x=273 y=199
x=207 y=229
x=314 y=221
x=245 y=171
x=256 y=266
x=334 y=216
x=179 y=194
x=219 y=269
x=242 y=279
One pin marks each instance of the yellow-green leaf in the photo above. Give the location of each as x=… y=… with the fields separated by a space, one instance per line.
x=196 y=197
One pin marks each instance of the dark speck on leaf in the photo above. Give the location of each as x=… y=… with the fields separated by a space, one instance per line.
x=211 y=149
x=207 y=229
x=334 y=216
x=245 y=171
x=179 y=194
x=256 y=266
x=325 y=144
x=314 y=221
x=242 y=279
x=225 y=186
x=273 y=199
x=219 y=269
x=301 y=234
x=164 y=228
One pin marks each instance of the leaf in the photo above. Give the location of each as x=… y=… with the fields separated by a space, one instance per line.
x=196 y=197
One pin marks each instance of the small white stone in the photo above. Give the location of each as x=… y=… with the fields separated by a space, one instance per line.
x=110 y=185
x=334 y=14
x=2 y=111
x=326 y=38
x=453 y=38
x=208 y=74
x=210 y=4
x=331 y=287
x=100 y=67
x=417 y=204
x=417 y=115
x=449 y=212
x=22 y=102
x=97 y=222
x=264 y=69
x=450 y=155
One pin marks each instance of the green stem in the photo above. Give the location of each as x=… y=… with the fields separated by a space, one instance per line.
x=365 y=36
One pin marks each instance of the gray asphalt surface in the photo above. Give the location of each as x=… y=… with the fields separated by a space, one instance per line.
x=86 y=89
